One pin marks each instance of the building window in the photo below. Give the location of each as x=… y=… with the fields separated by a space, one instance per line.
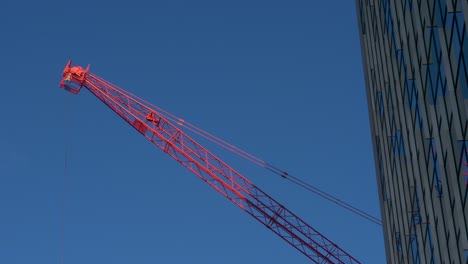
x=416 y=215
x=380 y=103
x=431 y=243
x=397 y=144
x=415 y=250
x=409 y=4
x=413 y=102
x=436 y=180
x=388 y=21
x=398 y=245
x=465 y=168
x=435 y=70
x=412 y=93
x=464 y=161
x=455 y=23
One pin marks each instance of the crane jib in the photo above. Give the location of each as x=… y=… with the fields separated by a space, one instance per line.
x=204 y=164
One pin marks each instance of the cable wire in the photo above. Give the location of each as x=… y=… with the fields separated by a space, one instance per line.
x=259 y=162
x=65 y=176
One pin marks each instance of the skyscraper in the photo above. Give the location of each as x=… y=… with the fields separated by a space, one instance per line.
x=415 y=56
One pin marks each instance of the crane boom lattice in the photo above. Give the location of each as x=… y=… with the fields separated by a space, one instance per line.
x=212 y=170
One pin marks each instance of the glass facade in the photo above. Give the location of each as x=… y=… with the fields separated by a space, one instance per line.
x=415 y=56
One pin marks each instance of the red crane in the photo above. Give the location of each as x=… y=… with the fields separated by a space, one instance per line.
x=212 y=170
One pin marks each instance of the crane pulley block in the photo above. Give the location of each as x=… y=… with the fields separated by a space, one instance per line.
x=73 y=78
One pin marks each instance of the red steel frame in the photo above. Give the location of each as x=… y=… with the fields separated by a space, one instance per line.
x=207 y=167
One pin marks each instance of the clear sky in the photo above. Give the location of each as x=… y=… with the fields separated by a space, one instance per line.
x=280 y=79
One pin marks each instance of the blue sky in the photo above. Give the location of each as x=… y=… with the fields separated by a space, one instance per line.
x=282 y=80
